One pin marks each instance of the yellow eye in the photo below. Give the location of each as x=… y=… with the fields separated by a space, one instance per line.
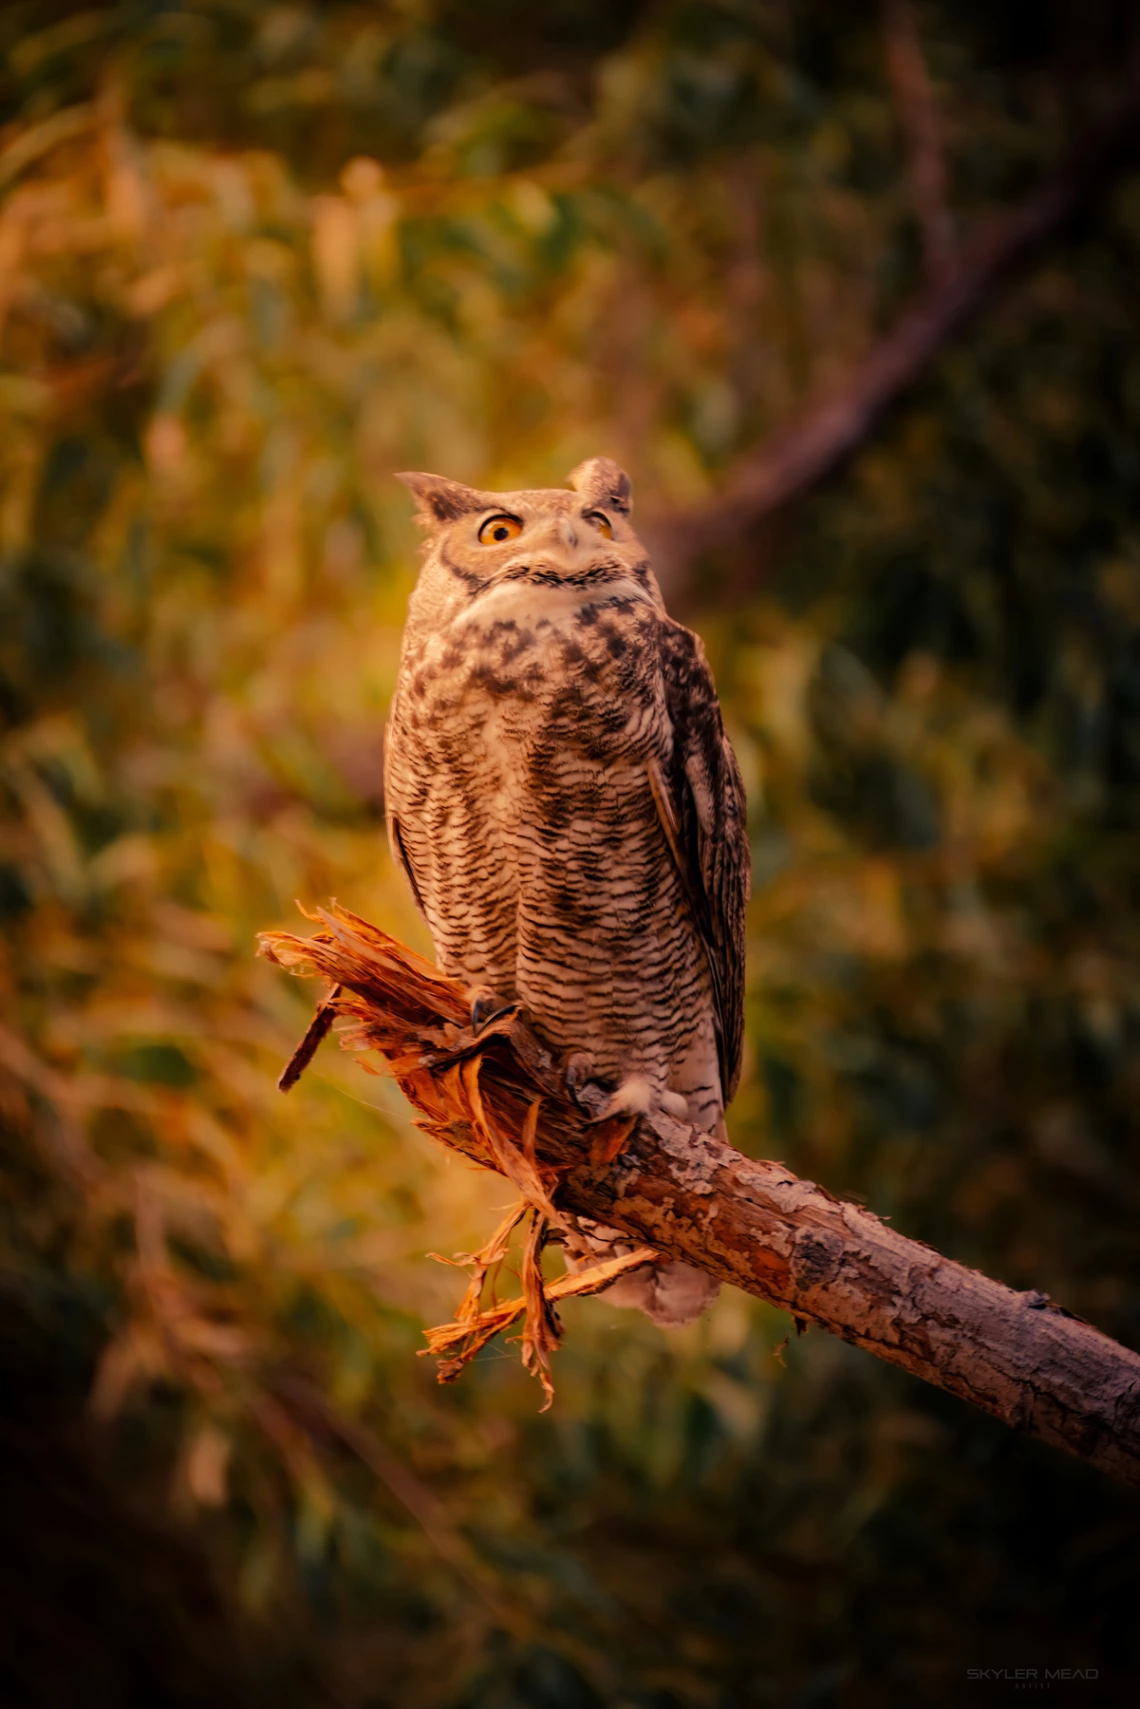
x=499 y=529
x=601 y=523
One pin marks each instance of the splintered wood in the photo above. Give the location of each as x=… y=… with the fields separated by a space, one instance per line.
x=481 y=1094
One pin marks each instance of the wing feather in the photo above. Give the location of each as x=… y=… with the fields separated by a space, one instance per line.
x=701 y=805
x=396 y=843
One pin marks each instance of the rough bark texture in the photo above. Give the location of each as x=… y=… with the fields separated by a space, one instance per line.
x=498 y=1098
x=1016 y=1355
x=835 y=425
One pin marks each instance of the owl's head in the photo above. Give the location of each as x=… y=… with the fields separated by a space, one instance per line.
x=546 y=536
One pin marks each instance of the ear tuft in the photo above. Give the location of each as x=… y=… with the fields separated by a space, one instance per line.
x=439 y=500
x=601 y=482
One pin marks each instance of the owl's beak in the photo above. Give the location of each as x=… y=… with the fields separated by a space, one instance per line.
x=565 y=543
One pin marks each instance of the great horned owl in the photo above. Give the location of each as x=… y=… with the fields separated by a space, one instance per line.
x=565 y=803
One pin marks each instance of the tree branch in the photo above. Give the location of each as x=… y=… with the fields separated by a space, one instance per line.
x=918 y=120
x=754 y=1224
x=834 y=426
x=1015 y=1355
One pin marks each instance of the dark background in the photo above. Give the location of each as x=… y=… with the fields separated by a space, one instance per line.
x=252 y=259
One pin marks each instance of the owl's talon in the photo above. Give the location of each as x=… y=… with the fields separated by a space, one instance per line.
x=487 y=1006
x=597 y=1101
x=588 y=1094
x=593 y=1100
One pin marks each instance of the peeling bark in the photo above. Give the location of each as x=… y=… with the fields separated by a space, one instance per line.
x=753 y=1224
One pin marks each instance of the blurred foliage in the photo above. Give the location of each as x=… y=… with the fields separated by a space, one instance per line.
x=253 y=258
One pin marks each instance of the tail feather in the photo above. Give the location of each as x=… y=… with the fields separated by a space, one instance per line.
x=671 y=1295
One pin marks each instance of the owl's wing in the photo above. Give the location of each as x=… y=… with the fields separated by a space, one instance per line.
x=394 y=776
x=700 y=801
x=396 y=844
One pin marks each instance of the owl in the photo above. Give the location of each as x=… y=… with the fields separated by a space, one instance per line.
x=567 y=808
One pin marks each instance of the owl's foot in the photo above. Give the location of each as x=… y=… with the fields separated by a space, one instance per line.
x=600 y=1099
x=487 y=1006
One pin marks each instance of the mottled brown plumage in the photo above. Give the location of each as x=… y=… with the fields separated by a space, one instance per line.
x=566 y=805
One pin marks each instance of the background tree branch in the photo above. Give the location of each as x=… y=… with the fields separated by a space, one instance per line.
x=919 y=123
x=836 y=424
x=753 y=1224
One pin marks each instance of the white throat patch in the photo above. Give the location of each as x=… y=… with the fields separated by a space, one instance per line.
x=529 y=602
